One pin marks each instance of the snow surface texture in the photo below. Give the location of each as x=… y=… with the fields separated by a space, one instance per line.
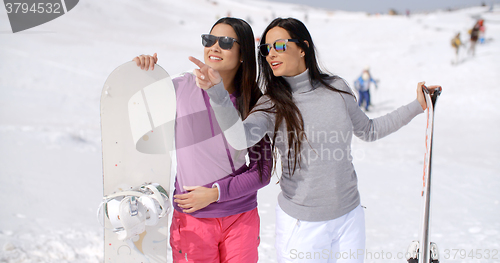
x=50 y=150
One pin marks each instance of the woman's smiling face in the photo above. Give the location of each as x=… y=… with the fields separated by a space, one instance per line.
x=221 y=59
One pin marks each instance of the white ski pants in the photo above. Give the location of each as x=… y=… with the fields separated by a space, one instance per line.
x=341 y=240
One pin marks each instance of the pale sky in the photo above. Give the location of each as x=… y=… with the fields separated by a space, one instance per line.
x=382 y=6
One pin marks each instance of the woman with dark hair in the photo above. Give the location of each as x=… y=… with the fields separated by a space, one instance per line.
x=311 y=117
x=215 y=197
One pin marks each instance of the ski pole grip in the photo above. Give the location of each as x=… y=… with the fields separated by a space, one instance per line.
x=434 y=95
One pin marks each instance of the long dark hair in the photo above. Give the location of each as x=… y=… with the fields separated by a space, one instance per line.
x=246 y=89
x=280 y=92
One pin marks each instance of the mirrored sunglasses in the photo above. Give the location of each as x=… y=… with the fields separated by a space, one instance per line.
x=278 y=45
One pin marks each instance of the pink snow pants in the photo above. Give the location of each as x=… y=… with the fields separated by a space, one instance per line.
x=232 y=239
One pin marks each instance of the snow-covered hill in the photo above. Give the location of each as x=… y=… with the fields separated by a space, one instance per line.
x=50 y=151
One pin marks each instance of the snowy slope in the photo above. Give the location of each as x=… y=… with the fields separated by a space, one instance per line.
x=50 y=152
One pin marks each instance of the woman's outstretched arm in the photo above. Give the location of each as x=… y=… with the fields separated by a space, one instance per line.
x=239 y=134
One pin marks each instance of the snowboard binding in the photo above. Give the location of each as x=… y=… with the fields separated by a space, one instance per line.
x=130 y=211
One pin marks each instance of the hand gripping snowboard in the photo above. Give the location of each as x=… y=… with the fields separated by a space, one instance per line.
x=137 y=125
x=424 y=251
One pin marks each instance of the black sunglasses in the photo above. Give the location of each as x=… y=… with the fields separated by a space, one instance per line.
x=224 y=42
x=278 y=45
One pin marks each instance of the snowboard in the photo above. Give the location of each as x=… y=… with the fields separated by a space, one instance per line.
x=138 y=110
x=423 y=250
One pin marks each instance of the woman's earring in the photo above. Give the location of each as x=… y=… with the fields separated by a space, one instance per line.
x=241 y=61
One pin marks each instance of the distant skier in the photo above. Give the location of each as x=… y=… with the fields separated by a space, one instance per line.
x=474 y=35
x=362 y=85
x=456 y=43
x=481 y=32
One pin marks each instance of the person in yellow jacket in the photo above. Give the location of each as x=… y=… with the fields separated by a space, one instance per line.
x=456 y=43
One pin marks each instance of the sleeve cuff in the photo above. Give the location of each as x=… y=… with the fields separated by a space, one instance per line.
x=216 y=185
x=217 y=93
x=416 y=107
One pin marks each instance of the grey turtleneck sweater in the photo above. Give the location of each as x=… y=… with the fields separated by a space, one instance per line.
x=325 y=185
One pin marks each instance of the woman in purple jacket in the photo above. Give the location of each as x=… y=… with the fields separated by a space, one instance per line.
x=215 y=198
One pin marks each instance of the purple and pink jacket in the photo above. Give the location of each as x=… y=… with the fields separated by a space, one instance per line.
x=204 y=158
